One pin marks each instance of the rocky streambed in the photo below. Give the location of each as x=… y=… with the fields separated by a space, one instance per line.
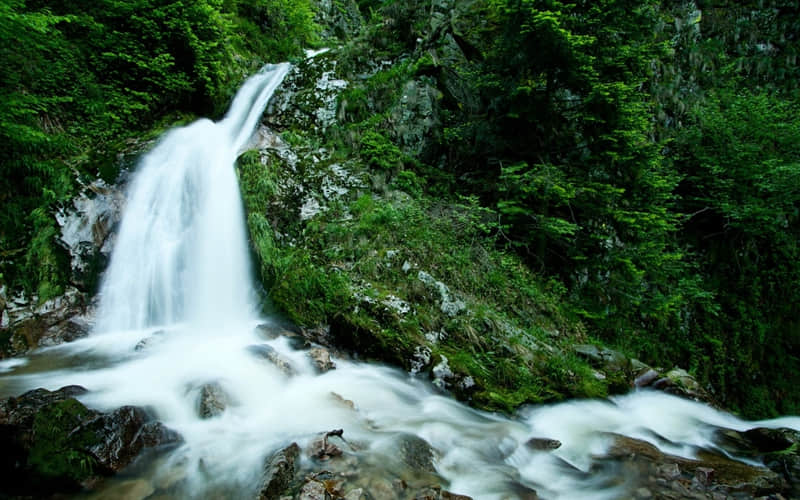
x=314 y=424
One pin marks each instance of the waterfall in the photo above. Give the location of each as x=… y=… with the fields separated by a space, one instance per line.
x=181 y=254
x=178 y=311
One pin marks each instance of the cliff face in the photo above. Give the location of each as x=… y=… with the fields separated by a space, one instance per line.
x=357 y=241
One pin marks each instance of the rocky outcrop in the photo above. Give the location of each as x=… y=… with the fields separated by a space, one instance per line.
x=654 y=474
x=26 y=324
x=53 y=443
x=87 y=228
x=777 y=449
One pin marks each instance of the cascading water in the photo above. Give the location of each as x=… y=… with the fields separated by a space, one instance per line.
x=181 y=254
x=178 y=311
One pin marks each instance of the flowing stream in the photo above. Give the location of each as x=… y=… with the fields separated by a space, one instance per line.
x=179 y=286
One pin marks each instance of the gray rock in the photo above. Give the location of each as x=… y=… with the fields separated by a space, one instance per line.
x=86 y=226
x=322 y=447
x=543 y=444
x=279 y=472
x=646 y=378
x=666 y=476
x=416 y=453
x=269 y=353
x=125 y=433
x=314 y=490
x=29 y=324
x=212 y=401
x=321 y=358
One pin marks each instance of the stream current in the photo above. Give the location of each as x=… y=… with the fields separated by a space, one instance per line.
x=180 y=279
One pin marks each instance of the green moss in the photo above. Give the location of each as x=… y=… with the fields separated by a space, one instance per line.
x=57 y=452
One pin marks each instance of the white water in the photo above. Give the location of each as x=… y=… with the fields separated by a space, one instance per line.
x=181 y=267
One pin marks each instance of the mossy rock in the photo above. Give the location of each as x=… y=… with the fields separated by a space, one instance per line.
x=58 y=449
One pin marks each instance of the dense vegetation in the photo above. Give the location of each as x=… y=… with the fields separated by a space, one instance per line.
x=81 y=79
x=638 y=159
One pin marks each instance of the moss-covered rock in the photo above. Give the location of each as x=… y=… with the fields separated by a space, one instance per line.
x=53 y=443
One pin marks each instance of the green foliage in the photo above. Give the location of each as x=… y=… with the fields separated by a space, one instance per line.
x=58 y=452
x=742 y=169
x=380 y=152
x=81 y=78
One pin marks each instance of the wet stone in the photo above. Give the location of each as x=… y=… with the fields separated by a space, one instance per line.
x=322 y=448
x=416 y=453
x=213 y=400
x=268 y=353
x=279 y=471
x=543 y=444
x=321 y=358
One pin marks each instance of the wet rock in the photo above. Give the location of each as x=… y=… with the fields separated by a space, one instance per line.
x=314 y=490
x=28 y=324
x=269 y=353
x=356 y=494
x=86 y=226
x=344 y=402
x=212 y=400
x=680 y=383
x=321 y=358
x=778 y=449
x=646 y=378
x=322 y=448
x=543 y=444
x=150 y=341
x=123 y=434
x=53 y=443
x=668 y=476
x=279 y=471
x=416 y=453
x=446 y=495
x=271 y=331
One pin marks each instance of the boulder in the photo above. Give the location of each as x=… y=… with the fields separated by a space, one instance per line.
x=279 y=472
x=668 y=476
x=778 y=449
x=212 y=400
x=53 y=443
x=321 y=358
x=416 y=453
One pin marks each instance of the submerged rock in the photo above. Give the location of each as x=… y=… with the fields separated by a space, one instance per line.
x=267 y=352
